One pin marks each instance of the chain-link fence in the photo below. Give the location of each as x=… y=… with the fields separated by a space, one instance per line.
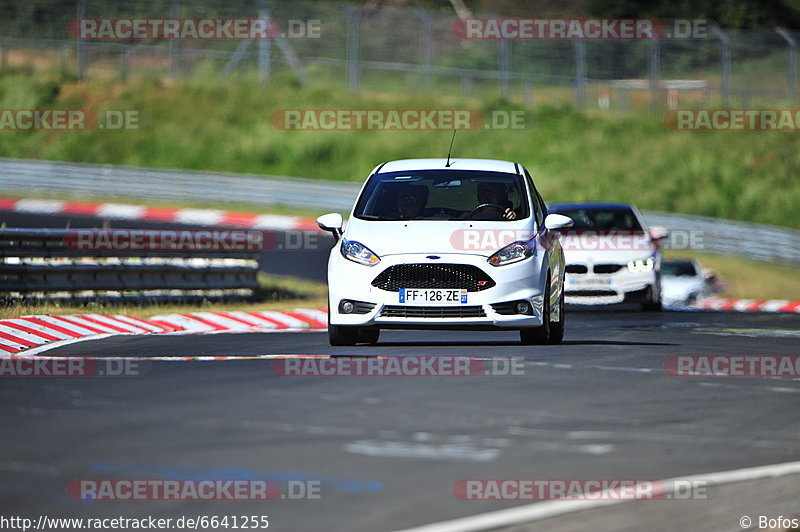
x=410 y=50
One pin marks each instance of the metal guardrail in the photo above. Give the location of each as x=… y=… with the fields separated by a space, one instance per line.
x=41 y=260
x=29 y=177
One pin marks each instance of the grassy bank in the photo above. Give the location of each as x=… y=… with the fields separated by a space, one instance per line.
x=574 y=156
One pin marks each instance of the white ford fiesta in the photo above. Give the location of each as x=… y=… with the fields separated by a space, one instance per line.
x=446 y=244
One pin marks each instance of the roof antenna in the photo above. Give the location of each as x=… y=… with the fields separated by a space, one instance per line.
x=450 y=150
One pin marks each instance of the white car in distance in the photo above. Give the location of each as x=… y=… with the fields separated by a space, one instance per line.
x=446 y=244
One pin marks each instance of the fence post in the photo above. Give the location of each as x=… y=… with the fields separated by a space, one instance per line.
x=726 y=62
x=80 y=43
x=175 y=11
x=655 y=71
x=425 y=49
x=579 y=49
x=504 y=50
x=791 y=71
x=353 y=67
x=264 y=51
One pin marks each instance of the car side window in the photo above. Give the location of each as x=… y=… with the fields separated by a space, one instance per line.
x=538 y=204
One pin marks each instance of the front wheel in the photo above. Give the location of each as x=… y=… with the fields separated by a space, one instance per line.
x=653 y=302
x=539 y=335
x=557 y=328
x=339 y=335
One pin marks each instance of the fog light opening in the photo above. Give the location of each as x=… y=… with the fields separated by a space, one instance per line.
x=347 y=307
x=523 y=307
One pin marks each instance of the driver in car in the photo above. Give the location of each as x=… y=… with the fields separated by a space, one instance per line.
x=492 y=197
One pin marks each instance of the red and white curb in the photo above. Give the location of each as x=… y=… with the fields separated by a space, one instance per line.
x=748 y=305
x=121 y=211
x=27 y=333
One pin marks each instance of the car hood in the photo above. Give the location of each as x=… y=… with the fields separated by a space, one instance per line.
x=680 y=286
x=437 y=236
x=584 y=248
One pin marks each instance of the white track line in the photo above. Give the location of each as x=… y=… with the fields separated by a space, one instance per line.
x=547 y=509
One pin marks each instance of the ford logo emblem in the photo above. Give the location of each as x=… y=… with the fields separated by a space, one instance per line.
x=434 y=257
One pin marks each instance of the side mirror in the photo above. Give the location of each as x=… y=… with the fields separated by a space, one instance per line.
x=658 y=233
x=331 y=222
x=554 y=222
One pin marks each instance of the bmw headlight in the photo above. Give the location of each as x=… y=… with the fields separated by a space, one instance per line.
x=641 y=265
x=514 y=252
x=358 y=252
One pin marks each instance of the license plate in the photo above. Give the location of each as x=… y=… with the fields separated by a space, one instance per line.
x=589 y=283
x=439 y=296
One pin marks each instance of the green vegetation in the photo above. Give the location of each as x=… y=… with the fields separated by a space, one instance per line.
x=574 y=156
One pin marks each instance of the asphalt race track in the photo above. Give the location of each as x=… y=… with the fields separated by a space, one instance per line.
x=388 y=450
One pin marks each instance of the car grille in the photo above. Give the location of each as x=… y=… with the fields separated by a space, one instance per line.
x=402 y=311
x=590 y=293
x=607 y=268
x=576 y=268
x=460 y=276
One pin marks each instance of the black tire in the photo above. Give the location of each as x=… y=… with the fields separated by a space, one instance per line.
x=339 y=335
x=653 y=303
x=368 y=335
x=557 y=328
x=539 y=335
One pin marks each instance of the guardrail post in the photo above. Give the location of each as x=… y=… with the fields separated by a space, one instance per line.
x=80 y=43
x=425 y=49
x=654 y=61
x=175 y=12
x=579 y=50
x=264 y=52
x=353 y=67
x=726 y=63
x=791 y=70
x=505 y=67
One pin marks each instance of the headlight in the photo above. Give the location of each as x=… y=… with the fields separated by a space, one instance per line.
x=358 y=252
x=641 y=265
x=514 y=252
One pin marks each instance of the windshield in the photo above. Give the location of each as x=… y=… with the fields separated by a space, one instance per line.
x=678 y=269
x=600 y=218
x=443 y=195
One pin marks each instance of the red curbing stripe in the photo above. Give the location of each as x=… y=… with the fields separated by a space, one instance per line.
x=793 y=306
x=168 y=327
x=78 y=324
x=8 y=204
x=728 y=305
x=17 y=340
x=9 y=349
x=29 y=330
x=53 y=326
x=238 y=219
x=754 y=306
x=227 y=316
x=161 y=214
x=308 y=319
x=278 y=324
x=207 y=322
x=81 y=207
x=98 y=322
